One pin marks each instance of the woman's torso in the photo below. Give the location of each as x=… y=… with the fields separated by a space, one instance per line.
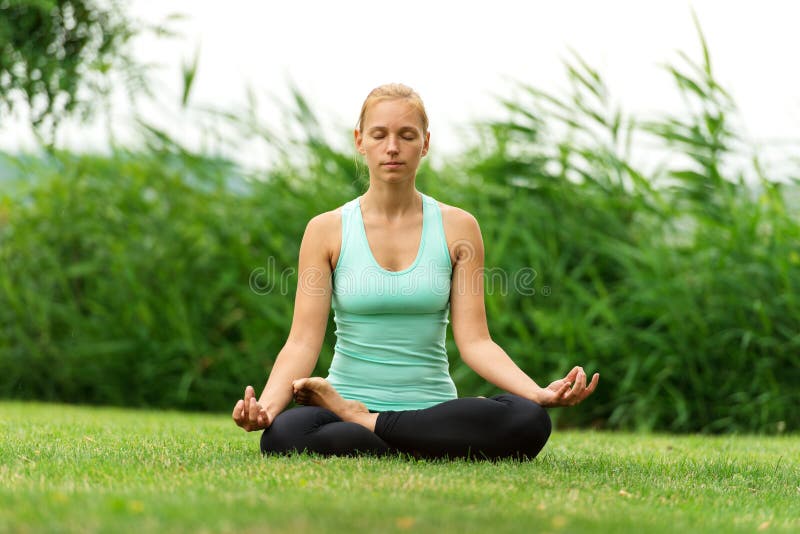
x=390 y=298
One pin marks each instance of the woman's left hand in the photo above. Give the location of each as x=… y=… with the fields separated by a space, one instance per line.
x=568 y=391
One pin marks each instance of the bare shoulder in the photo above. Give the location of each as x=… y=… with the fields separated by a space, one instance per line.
x=325 y=231
x=325 y=221
x=457 y=221
x=460 y=228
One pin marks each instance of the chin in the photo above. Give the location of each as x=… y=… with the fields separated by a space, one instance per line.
x=395 y=178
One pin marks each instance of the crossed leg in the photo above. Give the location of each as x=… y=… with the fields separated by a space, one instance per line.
x=502 y=426
x=319 y=430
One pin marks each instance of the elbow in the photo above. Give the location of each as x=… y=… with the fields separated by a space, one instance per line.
x=467 y=348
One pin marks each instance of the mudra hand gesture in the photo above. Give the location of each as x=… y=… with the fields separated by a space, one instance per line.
x=570 y=390
x=251 y=414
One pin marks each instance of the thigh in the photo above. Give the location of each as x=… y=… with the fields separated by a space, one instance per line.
x=315 y=429
x=504 y=425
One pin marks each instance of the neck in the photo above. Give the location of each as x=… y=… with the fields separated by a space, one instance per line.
x=391 y=202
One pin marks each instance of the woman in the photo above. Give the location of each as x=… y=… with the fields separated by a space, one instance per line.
x=393 y=263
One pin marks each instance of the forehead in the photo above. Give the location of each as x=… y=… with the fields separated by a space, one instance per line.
x=392 y=114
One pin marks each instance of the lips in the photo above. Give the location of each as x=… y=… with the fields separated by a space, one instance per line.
x=392 y=164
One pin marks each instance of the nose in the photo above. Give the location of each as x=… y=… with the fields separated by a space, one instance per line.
x=391 y=146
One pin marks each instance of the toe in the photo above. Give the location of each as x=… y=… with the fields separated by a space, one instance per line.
x=299 y=383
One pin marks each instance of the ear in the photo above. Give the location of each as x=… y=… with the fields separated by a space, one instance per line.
x=426 y=145
x=359 y=141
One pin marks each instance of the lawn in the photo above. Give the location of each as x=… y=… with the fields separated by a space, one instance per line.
x=79 y=469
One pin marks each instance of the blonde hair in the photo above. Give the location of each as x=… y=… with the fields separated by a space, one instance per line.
x=391 y=91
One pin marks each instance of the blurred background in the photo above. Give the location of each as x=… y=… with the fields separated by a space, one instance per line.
x=159 y=162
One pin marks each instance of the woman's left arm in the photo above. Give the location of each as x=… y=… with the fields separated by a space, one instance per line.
x=471 y=331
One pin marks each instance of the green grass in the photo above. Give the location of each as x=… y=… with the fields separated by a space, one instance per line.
x=77 y=469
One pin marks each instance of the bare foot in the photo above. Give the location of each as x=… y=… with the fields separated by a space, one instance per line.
x=316 y=391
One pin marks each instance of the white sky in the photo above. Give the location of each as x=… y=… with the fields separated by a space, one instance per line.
x=458 y=55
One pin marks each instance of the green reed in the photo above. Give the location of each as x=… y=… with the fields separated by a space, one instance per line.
x=163 y=276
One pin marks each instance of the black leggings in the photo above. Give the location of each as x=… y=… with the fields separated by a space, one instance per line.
x=503 y=426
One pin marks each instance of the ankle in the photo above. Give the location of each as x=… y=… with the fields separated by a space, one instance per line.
x=365 y=419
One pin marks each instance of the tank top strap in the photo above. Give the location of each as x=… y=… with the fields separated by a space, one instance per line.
x=435 y=238
x=350 y=234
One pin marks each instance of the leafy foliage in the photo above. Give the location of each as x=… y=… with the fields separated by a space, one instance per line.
x=682 y=295
x=166 y=277
x=57 y=56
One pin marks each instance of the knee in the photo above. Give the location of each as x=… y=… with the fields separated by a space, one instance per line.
x=290 y=428
x=540 y=420
x=271 y=441
x=265 y=442
x=532 y=426
x=277 y=437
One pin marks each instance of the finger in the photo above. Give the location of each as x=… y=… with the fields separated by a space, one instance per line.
x=589 y=389
x=563 y=391
x=249 y=395
x=253 y=409
x=573 y=374
x=237 y=411
x=260 y=419
x=592 y=385
x=580 y=384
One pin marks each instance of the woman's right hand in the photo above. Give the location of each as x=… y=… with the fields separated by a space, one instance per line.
x=251 y=414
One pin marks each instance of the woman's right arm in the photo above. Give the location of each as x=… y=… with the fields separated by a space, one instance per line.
x=299 y=355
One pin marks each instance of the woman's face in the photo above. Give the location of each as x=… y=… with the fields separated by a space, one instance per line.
x=392 y=141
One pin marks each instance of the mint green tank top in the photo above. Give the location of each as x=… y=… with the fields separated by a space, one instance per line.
x=390 y=325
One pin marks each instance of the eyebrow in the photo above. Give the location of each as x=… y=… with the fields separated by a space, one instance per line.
x=402 y=128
